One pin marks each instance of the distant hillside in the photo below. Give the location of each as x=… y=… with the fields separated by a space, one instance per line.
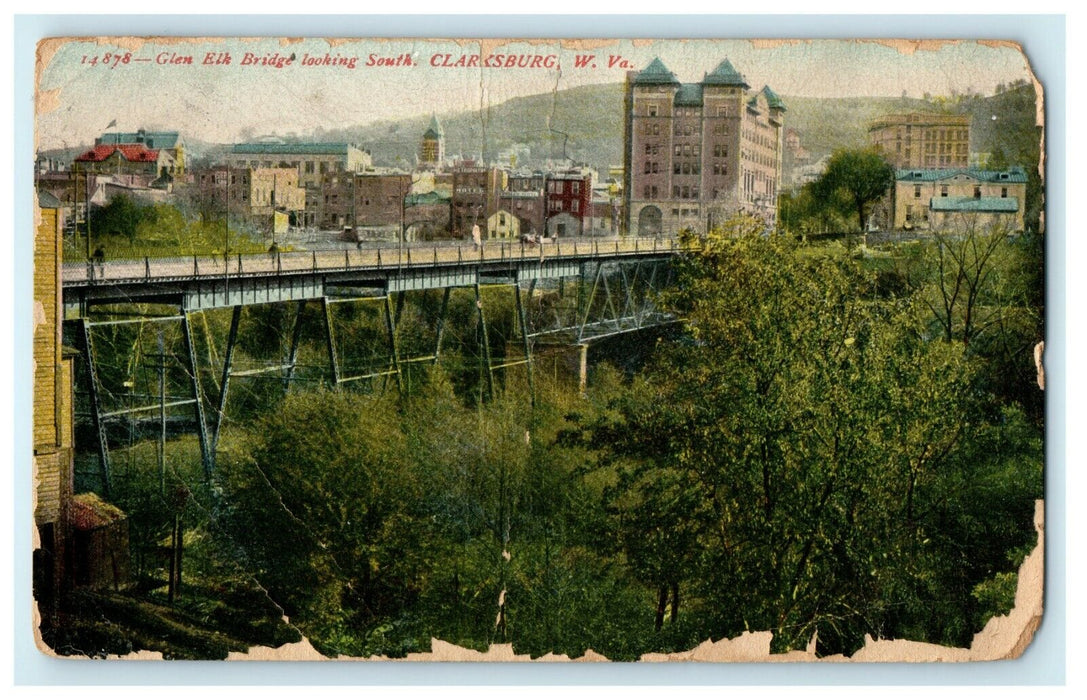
x=588 y=119
x=586 y=123
x=827 y=124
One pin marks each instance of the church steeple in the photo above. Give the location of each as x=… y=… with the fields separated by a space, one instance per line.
x=432 y=149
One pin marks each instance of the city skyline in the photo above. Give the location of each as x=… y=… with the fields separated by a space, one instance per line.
x=262 y=90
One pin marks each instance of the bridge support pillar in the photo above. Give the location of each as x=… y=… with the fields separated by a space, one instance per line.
x=96 y=407
x=484 y=342
x=583 y=369
x=331 y=343
x=525 y=342
x=202 y=427
x=228 y=360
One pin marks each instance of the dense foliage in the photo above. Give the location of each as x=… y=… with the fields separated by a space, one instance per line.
x=833 y=446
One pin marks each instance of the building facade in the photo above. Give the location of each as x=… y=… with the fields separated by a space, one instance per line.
x=169 y=141
x=476 y=192
x=128 y=159
x=568 y=203
x=955 y=199
x=252 y=196
x=697 y=153
x=312 y=161
x=371 y=203
x=919 y=140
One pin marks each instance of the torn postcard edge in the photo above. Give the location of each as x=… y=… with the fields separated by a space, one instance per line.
x=320 y=157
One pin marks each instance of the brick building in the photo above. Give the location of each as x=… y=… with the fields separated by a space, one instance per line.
x=959 y=198
x=476 y=193
x=312 y=161
x=568 y=203
x=369 y=201
x=919 y=140
x=696 y=153
x=254 y=195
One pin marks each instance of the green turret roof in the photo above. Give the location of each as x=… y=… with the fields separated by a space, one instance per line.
x=655 y=74
x=772 y=99
x=434 y=131
x=689 y=94
x=725 y=74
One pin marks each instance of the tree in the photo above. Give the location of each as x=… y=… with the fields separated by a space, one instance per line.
x=821 y=451
x=121 y=217
x=863 y=176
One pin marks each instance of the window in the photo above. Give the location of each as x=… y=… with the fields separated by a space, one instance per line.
x=675 y=191
x=917 y=191
x=655 y=167
x=977 y=192
x=943 y=190
x=647 y=192
x=679 y=150
x=1004 y=192
x=654 y=191
x=656 y=129
x=676 y=168
x=648 y=149
x=652 y=110
x=648 y=169
x=576 y=207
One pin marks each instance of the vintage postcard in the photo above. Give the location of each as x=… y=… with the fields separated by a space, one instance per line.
x=463 y=349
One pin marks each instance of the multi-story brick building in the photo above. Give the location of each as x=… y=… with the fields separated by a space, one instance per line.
x=959 y=198
x=697 y=153
x=370 y=202
x=264 y=198
x=568 y=196
x=312 y=161
x=476 y=192
x=919 y=140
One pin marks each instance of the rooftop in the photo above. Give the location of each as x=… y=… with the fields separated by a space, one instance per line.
x=725 y=74
x=151 y=139
x=311 y=149
x=1014 y=175
x=772 y=98
x=689 y=94
x=655 y=74
x=132 y=152
x=988 y=204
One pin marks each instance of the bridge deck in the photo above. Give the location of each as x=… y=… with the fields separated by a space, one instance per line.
x=204 y=282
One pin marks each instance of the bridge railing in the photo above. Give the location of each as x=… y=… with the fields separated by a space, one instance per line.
x=295 y=262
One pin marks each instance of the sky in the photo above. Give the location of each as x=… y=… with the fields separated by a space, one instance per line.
x=80 y=94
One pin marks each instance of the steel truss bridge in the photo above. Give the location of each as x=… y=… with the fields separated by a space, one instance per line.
x=613 y=282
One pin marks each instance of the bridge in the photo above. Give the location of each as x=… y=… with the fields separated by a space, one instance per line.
x=591 y=288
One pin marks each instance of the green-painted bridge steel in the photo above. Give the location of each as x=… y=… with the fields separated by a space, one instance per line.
x=205 y=283
x=613 y=294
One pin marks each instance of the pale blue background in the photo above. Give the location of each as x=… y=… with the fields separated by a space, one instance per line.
x=1044 y=40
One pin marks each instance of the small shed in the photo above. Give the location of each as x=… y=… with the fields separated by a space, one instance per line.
x=100 y=543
